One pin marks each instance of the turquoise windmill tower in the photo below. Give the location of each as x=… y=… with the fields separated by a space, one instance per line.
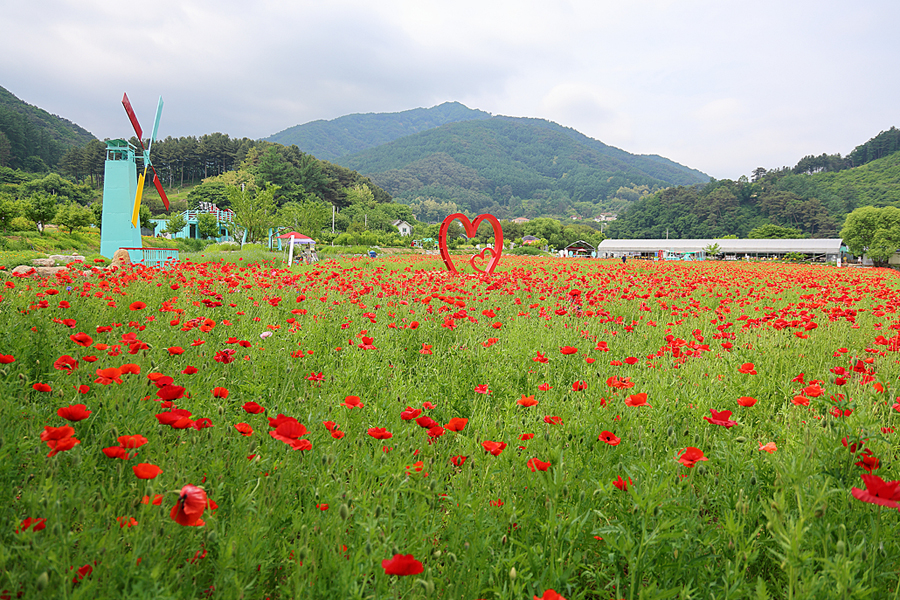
x=122 y=187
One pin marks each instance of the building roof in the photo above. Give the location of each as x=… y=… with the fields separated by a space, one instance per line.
x=727 y=246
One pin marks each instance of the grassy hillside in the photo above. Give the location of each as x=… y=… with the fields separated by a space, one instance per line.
x=349 y=134
x=514 y=167
x=28 y=131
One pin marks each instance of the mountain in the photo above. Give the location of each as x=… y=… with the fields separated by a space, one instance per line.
x=812 y=199
x=349 y=134
x=514 y=167
x=31 y=138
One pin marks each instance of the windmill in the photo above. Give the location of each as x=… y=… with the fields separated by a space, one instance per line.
x=122 y=188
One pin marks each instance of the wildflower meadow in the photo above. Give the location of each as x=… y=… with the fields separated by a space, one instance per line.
x=381 y=428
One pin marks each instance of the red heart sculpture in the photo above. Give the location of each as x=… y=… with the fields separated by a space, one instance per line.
x=471 y=227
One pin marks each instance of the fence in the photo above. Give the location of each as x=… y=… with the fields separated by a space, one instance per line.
x=153 y=257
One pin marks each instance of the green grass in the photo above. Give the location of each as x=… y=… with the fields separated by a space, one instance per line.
x=743 y=524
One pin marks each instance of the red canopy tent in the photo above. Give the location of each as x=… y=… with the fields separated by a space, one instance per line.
x=299 y=238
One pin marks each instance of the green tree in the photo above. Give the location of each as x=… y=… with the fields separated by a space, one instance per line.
x=207 y=226
x=9 y=210
x=770 y=231
x=254 y=213
x=72 y=215
x=40 y=207
x=175 y=224
x=308 y=217
x=871 y=229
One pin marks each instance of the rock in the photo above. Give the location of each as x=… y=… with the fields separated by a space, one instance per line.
x=37 y=271
x=66 y=258
x=120 y=258
x=43 y=262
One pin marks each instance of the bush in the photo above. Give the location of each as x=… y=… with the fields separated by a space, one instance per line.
x=524 y=251
x=22 y=224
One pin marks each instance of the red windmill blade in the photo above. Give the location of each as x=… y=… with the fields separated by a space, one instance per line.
x=146 y=151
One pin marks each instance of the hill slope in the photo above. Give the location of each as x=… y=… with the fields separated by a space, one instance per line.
x=516 y=166
x=349 y=134
x=33 y=132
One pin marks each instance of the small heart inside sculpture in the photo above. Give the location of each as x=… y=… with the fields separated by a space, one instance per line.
x=480 y=257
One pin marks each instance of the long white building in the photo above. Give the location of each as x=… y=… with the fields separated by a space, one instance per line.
x=825 y=249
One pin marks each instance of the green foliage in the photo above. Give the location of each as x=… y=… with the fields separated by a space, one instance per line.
x=175 y=224
x=211 y=191
x=873 y=231
x=73 y=216
x=308 y=217
x=254 y=212
x=882 y=145
x=32 y=137
x=40 y=207
x=9 y=209
x=61 y=189
x=769 y=231
x=503 y=165
x=349 y=134
x=207 y=226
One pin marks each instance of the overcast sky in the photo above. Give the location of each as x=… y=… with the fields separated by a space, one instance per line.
x=718 y=85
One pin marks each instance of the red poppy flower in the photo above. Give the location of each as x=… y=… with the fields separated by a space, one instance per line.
x=137 y=306
x=746 y=401
x=800 y=400
x=322 y=506
x=609 y=437
x=497 y=502
x=622 y=484
x=61 y=445
x=637 y=400
x=458 y=460
x=619 y=382
x=245 y=429
x=494 y=448
x=82 y=339
x=691 y=456
x=568 y=350
x=482 y=389
x=108 y=376
x=220 y=392
x=878 y=491
x=426 y=422
x=410 y=413
x=549 y=595
x=191 y=503
x=402 y=564
x=352 y=402
x=813 y=391
x=41 y=387
x=456 y=424
x=130 y=369
x=146 y=470
x=579 y=386
x=132 y=441
x=116 y=452
x=65 y=363
x=722 y=418
x=170 y=392
x=56 y=433
x=253 y=408
x=82 y=572
x=553 y=420
x=74 y=412
x=175 y=350
x=33 y=524
x=536 y=464
x=540 y=358
x=868 y=461
x=426 y=349
x=545 y=387
x=747 y=368
x=6 y=359
x=526 y=400
x=380 y=433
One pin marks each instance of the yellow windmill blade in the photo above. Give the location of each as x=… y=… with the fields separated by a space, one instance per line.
x=136 y=213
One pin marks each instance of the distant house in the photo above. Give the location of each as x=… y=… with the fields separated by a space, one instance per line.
x=224 y=222
x=519 y=220
x=530 y=239
x=403 y=227
x=605 y=217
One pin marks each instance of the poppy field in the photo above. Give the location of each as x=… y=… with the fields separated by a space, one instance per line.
x=382 y=428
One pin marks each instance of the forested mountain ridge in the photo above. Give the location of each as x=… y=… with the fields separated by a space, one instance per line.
x=806 y=200
x=33 y=139
x=354 y=133
x=515 y=167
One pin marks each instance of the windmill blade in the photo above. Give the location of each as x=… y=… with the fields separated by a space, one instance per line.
x=136 y=211
x=159 y=108
x=134 y=122
x=159 y=188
